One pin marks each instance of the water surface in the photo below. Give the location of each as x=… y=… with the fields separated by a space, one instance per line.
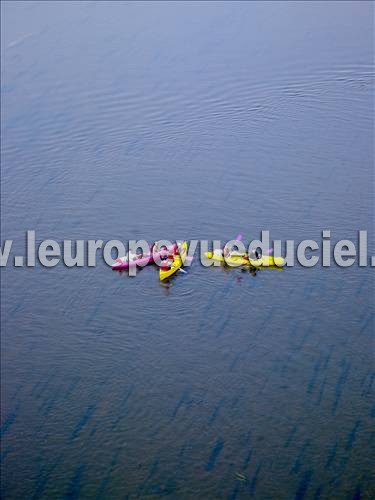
x=187 y=120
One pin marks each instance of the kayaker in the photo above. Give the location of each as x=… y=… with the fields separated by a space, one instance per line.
x=167 y=263
x=231 y=253
x=254 y=254
x=132 y=256
x=163 y=253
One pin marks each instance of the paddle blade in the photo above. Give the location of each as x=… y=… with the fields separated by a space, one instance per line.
x=239 y=237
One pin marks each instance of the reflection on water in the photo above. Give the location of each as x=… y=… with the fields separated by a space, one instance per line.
x=187 y=120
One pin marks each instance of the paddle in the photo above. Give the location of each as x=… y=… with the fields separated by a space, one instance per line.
x=182 y=270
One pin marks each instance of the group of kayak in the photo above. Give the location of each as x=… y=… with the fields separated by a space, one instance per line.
x=172 y=258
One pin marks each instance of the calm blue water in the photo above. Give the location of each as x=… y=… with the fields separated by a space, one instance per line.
x=195 y=120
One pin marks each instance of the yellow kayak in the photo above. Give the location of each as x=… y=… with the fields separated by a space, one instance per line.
x=242 y=260
x=178 y=261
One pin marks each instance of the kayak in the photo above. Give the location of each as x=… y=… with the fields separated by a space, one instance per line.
x=178 y=260
x=123 y=262
x=241 y=260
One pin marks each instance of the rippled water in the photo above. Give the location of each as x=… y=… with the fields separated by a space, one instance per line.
x=194 y=120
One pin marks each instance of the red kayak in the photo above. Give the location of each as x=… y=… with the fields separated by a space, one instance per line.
x=148 y=258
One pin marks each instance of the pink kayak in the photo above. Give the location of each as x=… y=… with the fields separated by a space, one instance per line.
x=123 y=263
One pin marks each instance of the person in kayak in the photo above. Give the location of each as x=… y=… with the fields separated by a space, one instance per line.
x=233 y=252
x=254 y=254
x=163 y=253
x=134 y=256
x=167 y=262
x=131 y=256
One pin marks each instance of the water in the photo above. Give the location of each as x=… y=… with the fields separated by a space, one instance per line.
x=194 y=120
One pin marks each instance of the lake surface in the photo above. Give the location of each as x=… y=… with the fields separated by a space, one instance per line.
x=194 y=120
